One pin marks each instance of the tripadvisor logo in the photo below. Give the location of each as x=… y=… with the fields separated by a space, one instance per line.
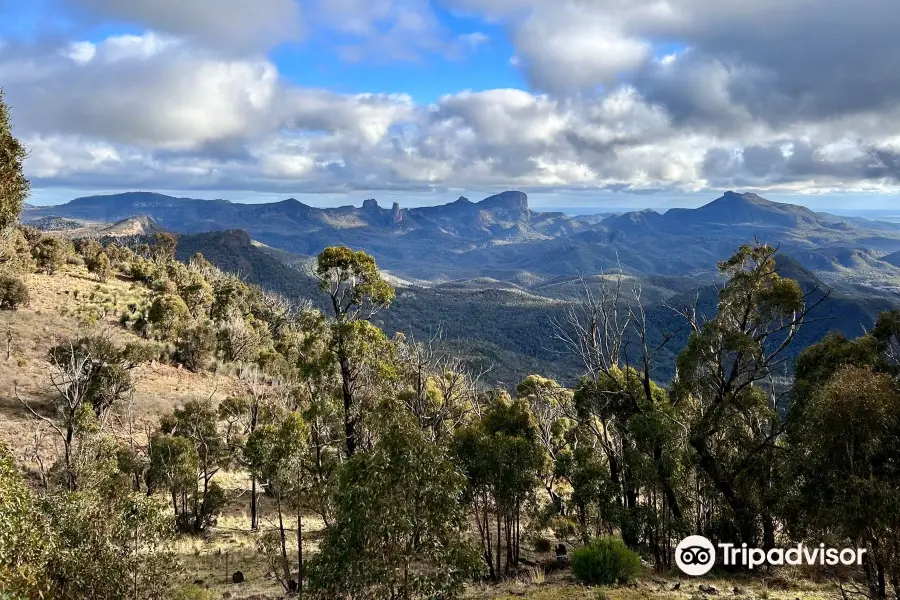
x=696 y=556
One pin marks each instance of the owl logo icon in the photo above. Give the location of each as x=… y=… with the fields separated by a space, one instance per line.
x=695 y=555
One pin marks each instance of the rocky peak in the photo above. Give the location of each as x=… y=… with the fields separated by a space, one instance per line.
x=396 y=213
x=509 y=200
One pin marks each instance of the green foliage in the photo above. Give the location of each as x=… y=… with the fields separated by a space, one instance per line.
x=502 y=457
x=400 y=526
x=101 y=367
x=193 y=289
x=352 y=282
x=605 y=561
x=239 y=339
x=542 y=545
x=15 y=187
x=143 y=270
x=104 y=542
x=15 y=251
x=164 y=247
x=50 y=254
x=842 y=461
x=13 y=293
x=24 y=535
x=119 y=256
x=185 y=454
x=100 y=265
x=730 y=415
x=195 y=346
x=113 y=547
x=275 y=453
x=231 y=296
x=169 y=316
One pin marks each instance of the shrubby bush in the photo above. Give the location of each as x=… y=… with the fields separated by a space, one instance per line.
x=238 y=339
x=82 y=543
x=15 y=252
x=13 y=293
x=143 y=270
x=169 y=315
x=605 y=561
x=196 y=346
x=542 y=544
x=100 y=265
x=50 y=253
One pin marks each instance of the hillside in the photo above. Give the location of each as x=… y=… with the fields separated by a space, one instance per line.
x=71 y=303
x=743 y=209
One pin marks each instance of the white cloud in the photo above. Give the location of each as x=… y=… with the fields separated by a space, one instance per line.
x=726 y=102
x=565 y=48
x=240 y=24
x=143 y=90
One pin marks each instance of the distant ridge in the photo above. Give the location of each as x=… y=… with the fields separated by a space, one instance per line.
x=502 y=238
x=502 y=216
x=735 y=209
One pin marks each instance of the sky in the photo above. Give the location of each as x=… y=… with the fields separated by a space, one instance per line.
x=580 y=103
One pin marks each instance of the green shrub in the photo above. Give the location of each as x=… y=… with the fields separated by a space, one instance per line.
x=13 y=293
x=50 y=254
x=143 y=270
x=100 y=265
x=169 y=315
x=15 y=252
x=605 y=561
x=195 y=346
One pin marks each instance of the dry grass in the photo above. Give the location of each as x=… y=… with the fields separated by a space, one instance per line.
x=70 y=303
x=562 y=586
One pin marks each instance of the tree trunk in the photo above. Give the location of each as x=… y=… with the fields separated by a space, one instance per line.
x=744 y=519
x=254 y=505
x=284 y=558
x=666 y=483
x=299 y=551
x=499 y=538
x=349 y=420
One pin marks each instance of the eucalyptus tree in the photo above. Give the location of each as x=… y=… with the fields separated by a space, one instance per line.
x=14 y=187
x=504 y=459
x=400 y=529
x=277 y=455
x=733 y=423
x=356 y=292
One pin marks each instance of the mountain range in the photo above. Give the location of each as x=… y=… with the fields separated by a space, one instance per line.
x=500 y=237
x=492 y=275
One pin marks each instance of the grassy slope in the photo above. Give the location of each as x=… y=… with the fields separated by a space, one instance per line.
x=69 y=303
